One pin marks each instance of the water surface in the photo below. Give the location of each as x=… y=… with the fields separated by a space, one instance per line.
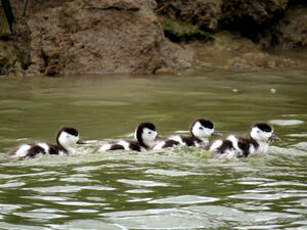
x=173 y=189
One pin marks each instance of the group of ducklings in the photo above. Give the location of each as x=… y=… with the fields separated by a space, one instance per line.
x=146 y=138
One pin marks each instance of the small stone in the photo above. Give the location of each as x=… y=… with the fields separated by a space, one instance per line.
x=273 y=90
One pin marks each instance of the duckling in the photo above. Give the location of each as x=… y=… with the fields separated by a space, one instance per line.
x=66 y=140
x=201 y=129
x=145 y=135
x=260 y=137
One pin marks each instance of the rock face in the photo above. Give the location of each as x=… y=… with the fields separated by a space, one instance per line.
x=9 y=60
x=251 y=17
x=204 y=14
x=68 y=37
x=290 y=33
x=94 y=36
x=231 y=52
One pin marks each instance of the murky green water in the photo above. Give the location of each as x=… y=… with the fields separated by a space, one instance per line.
x=179 y=189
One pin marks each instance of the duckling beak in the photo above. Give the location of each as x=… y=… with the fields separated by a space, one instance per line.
x=215 y=133
x=274 y=138
x=81 y=142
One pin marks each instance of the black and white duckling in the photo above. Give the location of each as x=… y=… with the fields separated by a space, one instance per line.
x=66 y=140
x=201 y=129
x=260 y=137
x=145 y=135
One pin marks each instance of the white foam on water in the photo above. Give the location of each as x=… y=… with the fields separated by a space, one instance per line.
x=286 y=122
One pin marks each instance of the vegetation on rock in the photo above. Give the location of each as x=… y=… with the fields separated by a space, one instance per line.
x=178 y=31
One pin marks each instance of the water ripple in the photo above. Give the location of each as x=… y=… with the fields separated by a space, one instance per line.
x=185 y=199
x=173 y=173
x=145 y=183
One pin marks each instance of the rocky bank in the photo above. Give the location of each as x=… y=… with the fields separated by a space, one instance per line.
x=73 y=37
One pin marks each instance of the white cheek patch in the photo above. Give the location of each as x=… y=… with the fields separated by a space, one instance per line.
x=62 y=138
x=68 y=141
x=22 y=150
x=208 y=132
x=260 y=135
x=268 y=135
x=148 y=137
x=200 y=131
x=264 y=136
x=255 y=133
x=149 y=134
x=155 y=134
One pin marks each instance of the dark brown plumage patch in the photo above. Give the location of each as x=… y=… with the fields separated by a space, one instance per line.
x=55 y=149
x=245 y=143
x=34 y=150
x=170 y=143
x=135 y=147
x=188 y=140
x=116 y=147
x=225 y=145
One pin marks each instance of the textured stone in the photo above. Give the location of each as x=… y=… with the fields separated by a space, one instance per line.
x=93 y=36
x=251 y=17
x=291 y=31
x=204 y=14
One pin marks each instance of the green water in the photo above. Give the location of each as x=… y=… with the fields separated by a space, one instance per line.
x=173 y=189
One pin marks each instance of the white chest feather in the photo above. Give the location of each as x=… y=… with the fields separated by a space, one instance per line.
x=262 y=148
x=159 y=145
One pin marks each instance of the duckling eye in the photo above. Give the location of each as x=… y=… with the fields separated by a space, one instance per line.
x=149 y=132
x=201 y=128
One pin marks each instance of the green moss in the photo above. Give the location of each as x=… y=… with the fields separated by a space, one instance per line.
x=178 y=31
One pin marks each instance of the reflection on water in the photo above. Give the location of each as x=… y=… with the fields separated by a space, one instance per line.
x=175 y=189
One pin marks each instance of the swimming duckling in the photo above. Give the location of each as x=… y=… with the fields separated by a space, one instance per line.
x=66 y=140
x=260 y=137
x=145 y=135
x=201 y=129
